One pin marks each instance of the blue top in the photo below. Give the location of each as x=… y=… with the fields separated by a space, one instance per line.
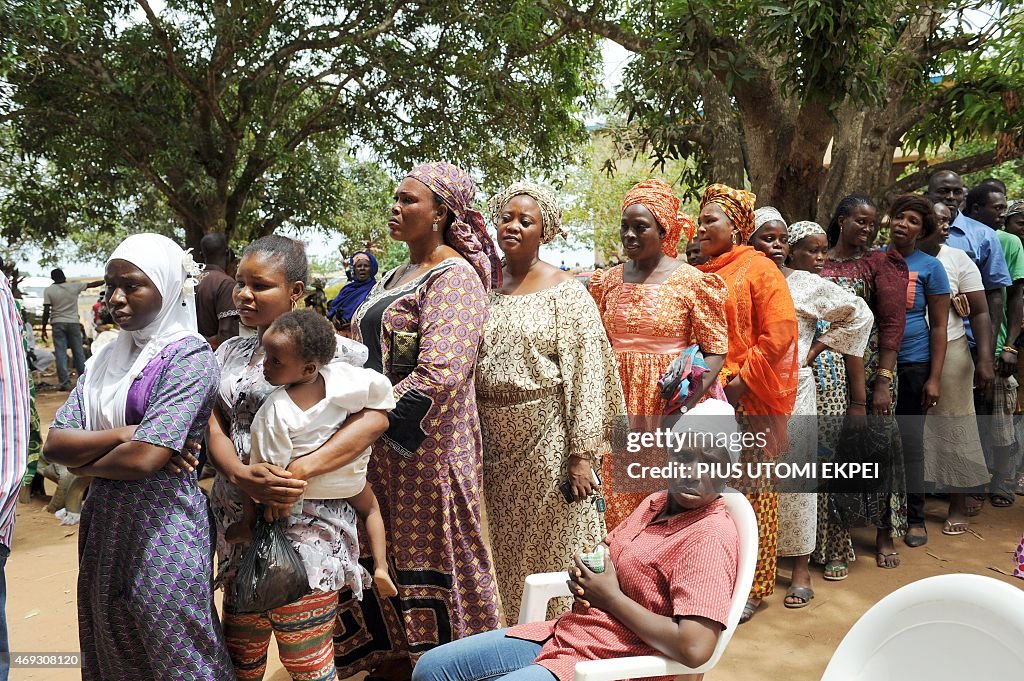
x=981 y=243
x=927 y=278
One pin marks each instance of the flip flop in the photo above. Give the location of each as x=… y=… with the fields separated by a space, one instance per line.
x=880 y=560
x=832 y=566
x=748 y=611
x=1000 y=500
x=954 y=529
x=975 y=508
x=805 y=593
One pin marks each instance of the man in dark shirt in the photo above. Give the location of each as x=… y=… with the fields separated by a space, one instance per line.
x=216 y=314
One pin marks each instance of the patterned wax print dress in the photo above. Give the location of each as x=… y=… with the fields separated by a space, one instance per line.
x=648 y=326
x=145 y=596
x=548 y=388
x=424 y=335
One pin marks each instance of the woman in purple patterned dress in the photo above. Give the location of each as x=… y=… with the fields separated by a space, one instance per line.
x=423 y=324
x=145 y=597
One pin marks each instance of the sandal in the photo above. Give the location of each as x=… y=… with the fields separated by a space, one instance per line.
x=804 y=593
x=836 y=570
x=748 y=611
x=1000 y=499
x=1018 y=488
x=954 y=529
x=882 y=560
x=975 y=508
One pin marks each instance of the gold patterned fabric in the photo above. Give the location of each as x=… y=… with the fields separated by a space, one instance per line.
x=547 y=388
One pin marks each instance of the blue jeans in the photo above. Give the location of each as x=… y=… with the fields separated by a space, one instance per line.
x=67 y=335
x=484 y=657
x=5 y=652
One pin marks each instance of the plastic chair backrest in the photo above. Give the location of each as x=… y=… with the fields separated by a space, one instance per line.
x=742 y=514
x=950 y=627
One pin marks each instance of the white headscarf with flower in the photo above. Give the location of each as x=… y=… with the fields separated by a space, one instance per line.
x=110 y=372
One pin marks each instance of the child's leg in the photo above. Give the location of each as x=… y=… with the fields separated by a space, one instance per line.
x=305 y=636
x=247 y=638
x=368 y=509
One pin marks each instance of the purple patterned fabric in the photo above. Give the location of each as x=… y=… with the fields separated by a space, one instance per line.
x=467 y=233
x=145 y=600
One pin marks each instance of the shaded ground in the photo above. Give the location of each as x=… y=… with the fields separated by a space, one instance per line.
x=778 y=644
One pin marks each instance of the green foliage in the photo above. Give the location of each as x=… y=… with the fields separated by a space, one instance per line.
x=240 y=115
x=594 y=193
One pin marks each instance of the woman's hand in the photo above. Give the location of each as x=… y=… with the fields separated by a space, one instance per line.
x=581 y=477
x=186 y=461
x=594 y=589
x=270 y=485
x=735 y=390
x=1007 y=364
x=930 y=394
x=881 y=399
x=856 y=416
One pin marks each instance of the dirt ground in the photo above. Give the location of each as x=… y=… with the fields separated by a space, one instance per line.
x=777 y=644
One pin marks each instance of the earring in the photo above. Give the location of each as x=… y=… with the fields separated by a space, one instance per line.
x=437 y=222
x=293 y=303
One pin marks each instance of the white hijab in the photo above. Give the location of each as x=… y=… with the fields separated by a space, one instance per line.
x=112 y=370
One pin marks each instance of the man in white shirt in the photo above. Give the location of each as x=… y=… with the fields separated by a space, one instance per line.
x=60 y=310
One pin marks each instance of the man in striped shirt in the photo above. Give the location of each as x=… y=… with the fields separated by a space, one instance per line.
x=14 y=429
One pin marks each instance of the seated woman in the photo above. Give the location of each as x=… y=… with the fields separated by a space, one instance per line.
x=683 y=538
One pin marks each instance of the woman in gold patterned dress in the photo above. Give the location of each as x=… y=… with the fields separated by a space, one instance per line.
x=547 y=391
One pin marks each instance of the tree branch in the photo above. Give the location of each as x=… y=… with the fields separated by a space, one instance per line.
x=575 y=20
x=207 y=98
x=960 y=166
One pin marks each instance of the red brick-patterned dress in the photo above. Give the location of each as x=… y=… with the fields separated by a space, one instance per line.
x=425 y=471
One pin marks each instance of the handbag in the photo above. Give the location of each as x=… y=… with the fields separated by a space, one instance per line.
x=683 y=379
x=961 y=305
x=405 y=352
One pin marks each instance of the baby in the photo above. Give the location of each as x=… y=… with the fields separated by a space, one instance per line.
x=314 y=400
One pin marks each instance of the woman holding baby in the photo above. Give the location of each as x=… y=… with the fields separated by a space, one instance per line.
x=270 y=279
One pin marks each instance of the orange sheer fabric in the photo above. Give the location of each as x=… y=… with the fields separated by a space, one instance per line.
x=762 y=338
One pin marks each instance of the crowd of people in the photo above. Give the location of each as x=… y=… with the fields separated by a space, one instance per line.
x=460 y=381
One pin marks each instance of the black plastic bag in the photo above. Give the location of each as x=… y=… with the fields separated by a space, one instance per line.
x=271 y=573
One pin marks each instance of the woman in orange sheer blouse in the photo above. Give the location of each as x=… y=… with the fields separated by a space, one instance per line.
x=653 y=307
x=761 y=369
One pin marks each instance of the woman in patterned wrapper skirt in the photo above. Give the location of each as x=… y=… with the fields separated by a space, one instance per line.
x=547 y=389
x=423 y=324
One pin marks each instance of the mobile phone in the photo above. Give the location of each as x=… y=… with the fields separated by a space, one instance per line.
x=566 y=489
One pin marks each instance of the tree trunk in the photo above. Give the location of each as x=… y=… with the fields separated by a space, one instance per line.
x=724 y=134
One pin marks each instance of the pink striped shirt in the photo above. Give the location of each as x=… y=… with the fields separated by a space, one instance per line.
x=14 y=410
x=684 y=566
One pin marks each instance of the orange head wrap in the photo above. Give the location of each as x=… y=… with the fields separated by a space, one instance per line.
x=657 y=196
x=737 y=204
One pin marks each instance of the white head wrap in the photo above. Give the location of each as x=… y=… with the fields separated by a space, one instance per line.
x=766 y=214
x=715 y=418
x=111 y=371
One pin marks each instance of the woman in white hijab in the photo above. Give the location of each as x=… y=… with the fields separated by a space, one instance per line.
x=145 y=601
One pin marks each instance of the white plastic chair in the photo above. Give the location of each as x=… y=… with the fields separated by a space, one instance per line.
x=542 y=587
x=950 y=627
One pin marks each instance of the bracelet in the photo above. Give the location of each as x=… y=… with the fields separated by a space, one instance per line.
x=1010 y=349
x=858 y=403
x=886 y=373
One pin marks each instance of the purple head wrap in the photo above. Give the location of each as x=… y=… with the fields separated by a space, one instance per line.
x=467 y=233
